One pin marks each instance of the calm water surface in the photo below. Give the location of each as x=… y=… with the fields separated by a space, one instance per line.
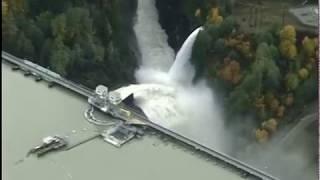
x=32 y=111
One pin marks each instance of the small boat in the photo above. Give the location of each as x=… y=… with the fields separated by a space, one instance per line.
x=50 y=143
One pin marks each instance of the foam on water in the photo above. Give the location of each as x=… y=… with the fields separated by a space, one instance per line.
x=169 y=99
x=165 y=93
x=152 y=39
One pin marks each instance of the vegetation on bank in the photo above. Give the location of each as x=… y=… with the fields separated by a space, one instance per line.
x=268 y=75
x=180 y=17
x=83 y=40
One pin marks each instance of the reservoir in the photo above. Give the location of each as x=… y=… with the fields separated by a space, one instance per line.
x=32 y=111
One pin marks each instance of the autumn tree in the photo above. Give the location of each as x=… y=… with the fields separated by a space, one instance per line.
x=292 y=81
x=309 y=46
x=214 y=17
x=263 y=74
x=287 y=42
x=230 y=71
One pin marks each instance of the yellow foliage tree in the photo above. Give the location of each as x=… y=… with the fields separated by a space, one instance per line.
x=303 y=73
x=288 y=49
x=309 y=46
x=214 y=16
x=292 y=81
x=288 y=39
x=240 y=44
x=288 y=33
x=316 y=41
x=262 y=135
x=270 y=125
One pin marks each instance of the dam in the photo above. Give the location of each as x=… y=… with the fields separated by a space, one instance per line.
x=165 y=100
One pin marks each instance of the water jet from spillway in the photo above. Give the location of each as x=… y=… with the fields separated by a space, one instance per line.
x=165 y=93
x=182 y=70
x=152 y=39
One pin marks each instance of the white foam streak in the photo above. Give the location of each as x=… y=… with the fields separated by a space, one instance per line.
x=182 y=70
x=166 y=95
x=152 y=39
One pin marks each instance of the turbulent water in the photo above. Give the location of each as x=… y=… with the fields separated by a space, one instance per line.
x=182 y=71
x=152 y=39
x=165 y=92
x=168 y=98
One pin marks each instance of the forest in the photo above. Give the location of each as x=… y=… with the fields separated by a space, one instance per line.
x=270 y=75
x=72 y=37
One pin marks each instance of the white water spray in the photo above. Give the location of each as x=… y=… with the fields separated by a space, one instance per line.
x=182 y=70
x=166 y=93
x=152 y=39
x=169 y=99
